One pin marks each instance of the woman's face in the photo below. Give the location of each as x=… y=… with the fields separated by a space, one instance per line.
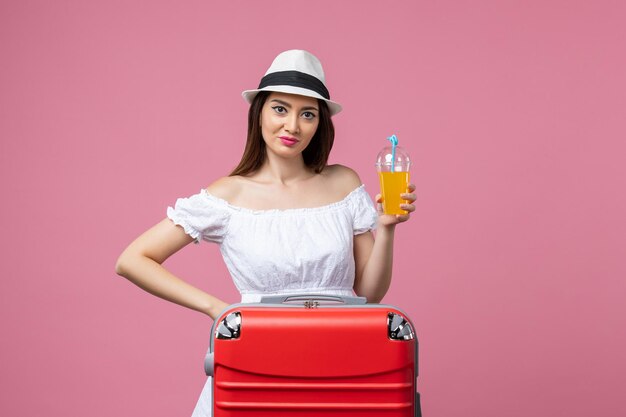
x=288 y=123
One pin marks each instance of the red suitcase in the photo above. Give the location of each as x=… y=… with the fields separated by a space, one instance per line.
x=311 y=355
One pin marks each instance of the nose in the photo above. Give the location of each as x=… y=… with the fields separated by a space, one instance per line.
x=292 y=123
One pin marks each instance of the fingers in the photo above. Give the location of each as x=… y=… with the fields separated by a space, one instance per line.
x=408 y=207
x=402 y=217
x=410 y=196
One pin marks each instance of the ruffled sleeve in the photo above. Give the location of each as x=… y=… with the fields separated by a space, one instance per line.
x=364 y=216
x=202 y=216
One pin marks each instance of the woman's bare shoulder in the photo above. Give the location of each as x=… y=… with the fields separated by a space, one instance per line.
x=226 y=188
x=344 y=177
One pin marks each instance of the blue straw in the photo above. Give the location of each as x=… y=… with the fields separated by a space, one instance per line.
x=394 y=142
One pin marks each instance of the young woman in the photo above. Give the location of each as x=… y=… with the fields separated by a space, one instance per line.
x=286 y=222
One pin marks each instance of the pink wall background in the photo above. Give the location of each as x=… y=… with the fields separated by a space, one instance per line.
x=512 y=268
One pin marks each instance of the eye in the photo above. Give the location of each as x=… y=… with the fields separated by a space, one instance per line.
x=308 y=115
x=279 y=109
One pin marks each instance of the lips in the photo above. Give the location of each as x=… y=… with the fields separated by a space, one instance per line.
x=288 y=140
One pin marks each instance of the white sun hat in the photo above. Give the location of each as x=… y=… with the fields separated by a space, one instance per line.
x=295 y=72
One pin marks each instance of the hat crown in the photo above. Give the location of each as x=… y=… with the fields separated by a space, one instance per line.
x=298 y=60
x=295 y=72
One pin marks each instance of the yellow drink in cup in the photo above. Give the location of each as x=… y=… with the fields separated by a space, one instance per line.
x=393 y=165
x=392 y=184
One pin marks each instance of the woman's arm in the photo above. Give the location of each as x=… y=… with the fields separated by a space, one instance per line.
x=374 y=258
x=141 y=264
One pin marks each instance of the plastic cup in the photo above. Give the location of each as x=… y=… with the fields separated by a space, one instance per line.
x=393 y=174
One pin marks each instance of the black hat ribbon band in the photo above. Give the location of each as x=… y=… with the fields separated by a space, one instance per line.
x=295 y=79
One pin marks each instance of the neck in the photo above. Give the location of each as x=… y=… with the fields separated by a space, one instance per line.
x=284 y=171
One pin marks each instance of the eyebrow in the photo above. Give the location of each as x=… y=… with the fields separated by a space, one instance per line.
x=284 y=103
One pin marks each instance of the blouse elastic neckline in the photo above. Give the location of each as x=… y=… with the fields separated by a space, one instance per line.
x=325 y=207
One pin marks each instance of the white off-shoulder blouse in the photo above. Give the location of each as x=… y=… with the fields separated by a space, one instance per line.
x=302 y=250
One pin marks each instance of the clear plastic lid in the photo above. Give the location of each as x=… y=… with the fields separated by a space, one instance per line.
x=385 y=162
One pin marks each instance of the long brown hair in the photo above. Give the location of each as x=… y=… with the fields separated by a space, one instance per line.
x=315 y=155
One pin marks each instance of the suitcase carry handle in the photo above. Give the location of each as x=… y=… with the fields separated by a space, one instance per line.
x=281 y=299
